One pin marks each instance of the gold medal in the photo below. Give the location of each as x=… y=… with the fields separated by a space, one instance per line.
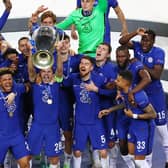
x=49 y=101
x=10 y=114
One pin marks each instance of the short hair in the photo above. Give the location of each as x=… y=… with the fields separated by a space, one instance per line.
x=151 y=33
x=4 y=71
x=127 y=75
x=108 y=45
x=66 y=37
x=23 y=38
x=10 y=51
x=92 y=60
x=122 y=48
x=48 y=14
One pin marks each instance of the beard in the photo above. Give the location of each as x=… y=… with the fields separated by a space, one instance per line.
x=123 y=66
x=84 y=73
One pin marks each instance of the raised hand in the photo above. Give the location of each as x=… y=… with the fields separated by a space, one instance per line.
x=8 y=5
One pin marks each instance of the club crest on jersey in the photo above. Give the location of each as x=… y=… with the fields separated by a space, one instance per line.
x=86 y=28
x=150 y=59
x=45 y=96
x=84 y=96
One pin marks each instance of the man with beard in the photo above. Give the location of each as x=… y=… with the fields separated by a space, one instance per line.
x=153 y=59
x=87 y=85
x=141 y=79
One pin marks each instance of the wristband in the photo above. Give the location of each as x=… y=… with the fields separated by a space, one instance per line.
x=135 y=116
x=58 y=79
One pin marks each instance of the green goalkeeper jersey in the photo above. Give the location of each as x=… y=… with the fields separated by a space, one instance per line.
x=90 y=28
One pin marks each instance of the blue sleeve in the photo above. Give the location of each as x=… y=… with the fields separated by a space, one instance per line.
x=113 y=3
x=113 y=73
x=3 y=19
x=107 y=92
x=138 y=66
x=5 y=63
x=33 y=28
x=141 y=99
x=160 y=57
x=78 y=3
x=136 y=48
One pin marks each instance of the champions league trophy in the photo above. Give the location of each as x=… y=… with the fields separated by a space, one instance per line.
x=45 y=38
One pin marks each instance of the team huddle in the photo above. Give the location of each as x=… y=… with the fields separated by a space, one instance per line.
x=112 y=107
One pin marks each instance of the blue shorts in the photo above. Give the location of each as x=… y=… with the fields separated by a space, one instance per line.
x=94 y=133
x=109 y=122
x=47 y=137
x=139 y=136
x=123 y=123
x=17 y=144
x=158 y=101
x=151 y=136
x=66 y=111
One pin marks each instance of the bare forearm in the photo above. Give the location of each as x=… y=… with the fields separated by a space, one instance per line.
x=121 y=17
x=59 y=71
x=31 y=70
x=116 y=107
x=141 y=85
x=155 y=74
x=150 y=113
x=126 y=38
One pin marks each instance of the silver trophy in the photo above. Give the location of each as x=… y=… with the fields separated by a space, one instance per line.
x=45 y=37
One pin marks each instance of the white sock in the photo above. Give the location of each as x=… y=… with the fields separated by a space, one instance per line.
x=148 y=159
x=163 y=132
x=67 y=156
x=54 y=166
x=104 y=163
x=8 y=159
x=95 y=156
x=67 y=159
x=128 y=160
x=77 y=162
x=141 y=164
x=113 y=155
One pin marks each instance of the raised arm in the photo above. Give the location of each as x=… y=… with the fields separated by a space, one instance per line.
x=31 y=69
x=145 y=80
x=126 y=39
x=4 y=17
x=155 y=72
x=8 y=5
x=33 y=20
x=122 y=19
x=59 y=70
